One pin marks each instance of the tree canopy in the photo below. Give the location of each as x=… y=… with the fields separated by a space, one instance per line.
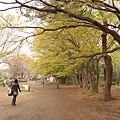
x=80 y=13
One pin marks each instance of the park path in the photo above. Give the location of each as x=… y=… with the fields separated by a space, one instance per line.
x=49 y=103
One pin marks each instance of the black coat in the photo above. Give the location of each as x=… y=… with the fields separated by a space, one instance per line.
x=15 y=87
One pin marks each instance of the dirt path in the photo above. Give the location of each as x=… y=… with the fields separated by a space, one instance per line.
x=49 y=103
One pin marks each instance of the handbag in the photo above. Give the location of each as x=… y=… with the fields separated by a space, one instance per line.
x=9 y=92
x=15 y=93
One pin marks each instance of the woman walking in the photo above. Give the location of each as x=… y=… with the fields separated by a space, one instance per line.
x=15 y=87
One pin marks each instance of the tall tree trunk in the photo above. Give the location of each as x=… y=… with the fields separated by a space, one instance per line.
x=80 y=78
x=97 y=72
x=109 y=68
x=85 y=78
x=87 y=81
x=93 y=74
x=57 y=81
x=108 y=82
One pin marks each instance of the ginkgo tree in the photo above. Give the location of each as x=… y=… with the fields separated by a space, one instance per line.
x=60 y=52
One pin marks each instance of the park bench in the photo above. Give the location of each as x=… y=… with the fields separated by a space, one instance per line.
x=27 y=87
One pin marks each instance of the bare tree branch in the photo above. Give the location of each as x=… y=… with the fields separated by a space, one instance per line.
x=99 y=53
x=91 y=22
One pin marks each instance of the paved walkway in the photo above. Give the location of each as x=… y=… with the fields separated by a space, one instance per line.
x=49 y=103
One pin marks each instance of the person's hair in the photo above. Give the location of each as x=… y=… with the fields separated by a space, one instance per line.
x=16 y=81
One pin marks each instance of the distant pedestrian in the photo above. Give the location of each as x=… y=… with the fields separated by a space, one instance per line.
x=15 y=87
x=9 y=83
x=4 y=83
x=42 y=82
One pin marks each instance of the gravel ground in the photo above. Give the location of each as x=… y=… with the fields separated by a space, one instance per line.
x=49 y=103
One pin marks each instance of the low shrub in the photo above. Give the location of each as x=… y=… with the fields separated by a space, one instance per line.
x=68 y=82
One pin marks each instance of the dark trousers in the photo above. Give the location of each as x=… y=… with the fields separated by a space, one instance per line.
x=14 y=99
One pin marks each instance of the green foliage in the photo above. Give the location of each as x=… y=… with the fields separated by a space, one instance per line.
x=116 y=57
x=116 y=67
x=57 y=52
x=101 y=83
x=61 y=51
x=68 y=82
